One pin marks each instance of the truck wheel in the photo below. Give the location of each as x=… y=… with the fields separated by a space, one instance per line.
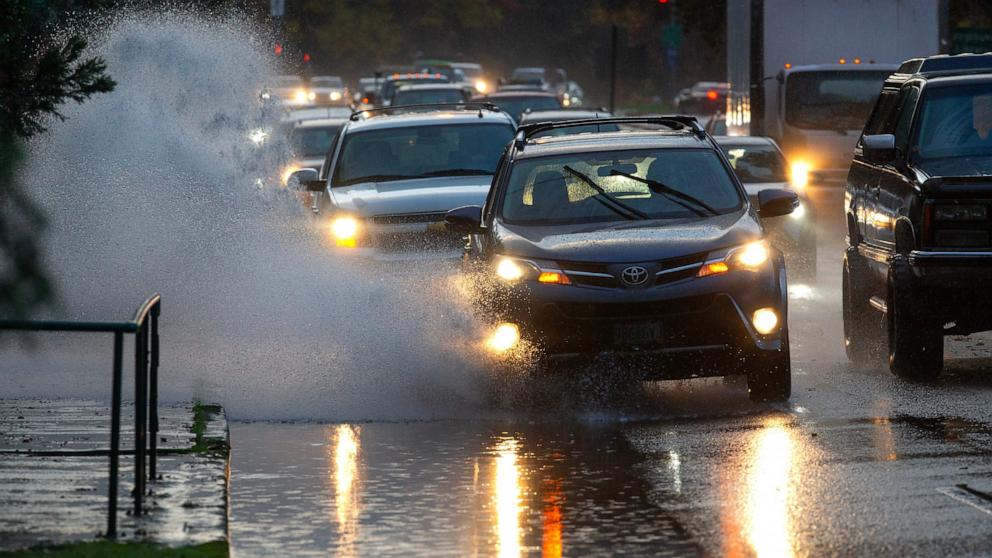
x=769 y=378
x=916 y=339
x=863 y=327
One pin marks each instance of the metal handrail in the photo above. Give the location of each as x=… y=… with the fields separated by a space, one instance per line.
x=144 y=326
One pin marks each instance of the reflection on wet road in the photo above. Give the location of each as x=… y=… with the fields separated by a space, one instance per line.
x=859 y=463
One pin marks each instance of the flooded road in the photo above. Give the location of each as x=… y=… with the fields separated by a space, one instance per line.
x=858 y=463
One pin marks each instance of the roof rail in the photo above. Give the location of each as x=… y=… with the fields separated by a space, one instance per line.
x=947 y=63
x=675 y=122
x=402 y=109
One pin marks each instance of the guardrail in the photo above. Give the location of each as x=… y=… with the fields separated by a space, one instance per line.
x=144 y=326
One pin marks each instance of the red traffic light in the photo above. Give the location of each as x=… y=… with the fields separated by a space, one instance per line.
x=306 y=56
x=278 y=49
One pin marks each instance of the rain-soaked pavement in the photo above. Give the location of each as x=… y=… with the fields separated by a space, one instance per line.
x=857 y=463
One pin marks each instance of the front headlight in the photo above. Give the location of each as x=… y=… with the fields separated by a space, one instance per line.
x=961 y=212
x=481 y=86
x=335 y=95
x=345 y=231
x=311 y=95
x=749 y=257
x=512 y=270
x=799 y=174
x=300 y=96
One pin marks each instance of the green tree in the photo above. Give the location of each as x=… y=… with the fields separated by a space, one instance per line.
x=37 y=75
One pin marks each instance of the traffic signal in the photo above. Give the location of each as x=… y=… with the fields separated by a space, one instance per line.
x=278 y=49
x=306 y=57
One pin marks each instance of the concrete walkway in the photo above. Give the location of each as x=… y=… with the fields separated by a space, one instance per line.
x=53 y=476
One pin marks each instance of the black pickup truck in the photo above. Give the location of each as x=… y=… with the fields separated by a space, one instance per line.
x=919 y=260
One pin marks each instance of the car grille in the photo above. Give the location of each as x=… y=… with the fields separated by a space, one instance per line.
x=407 y=219
x=601 y=275
x=958 y=234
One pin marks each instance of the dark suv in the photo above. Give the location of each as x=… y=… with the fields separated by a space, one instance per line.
x=919 y=260
x=641 y=244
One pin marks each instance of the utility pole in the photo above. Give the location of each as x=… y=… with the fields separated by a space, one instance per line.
x=613 y=68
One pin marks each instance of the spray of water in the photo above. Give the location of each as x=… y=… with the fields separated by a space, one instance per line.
x=152 y=188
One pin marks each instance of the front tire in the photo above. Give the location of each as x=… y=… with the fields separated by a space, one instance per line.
x=863 y=326
x=916 y=338
x=769 y=378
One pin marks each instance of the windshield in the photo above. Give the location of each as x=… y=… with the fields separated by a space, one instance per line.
x=619 y=186
x=755 y=164
x=421 y=152
x=286 y=82
x=426 y=96
x=516 y=106
x=313 y=142
x=955 y=131
x=832 y=100
x=327 y=82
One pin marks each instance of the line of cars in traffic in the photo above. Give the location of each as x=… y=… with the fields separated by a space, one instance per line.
x=651 y=241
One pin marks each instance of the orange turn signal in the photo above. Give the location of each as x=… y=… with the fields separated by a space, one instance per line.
x=553 y=277
x=714 y=268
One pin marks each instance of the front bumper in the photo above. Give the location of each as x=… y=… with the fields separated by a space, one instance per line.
x=695 y=322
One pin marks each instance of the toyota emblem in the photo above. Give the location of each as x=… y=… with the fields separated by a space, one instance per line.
x=634 y=275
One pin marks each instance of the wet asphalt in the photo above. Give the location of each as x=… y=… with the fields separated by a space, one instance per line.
x=858 y=463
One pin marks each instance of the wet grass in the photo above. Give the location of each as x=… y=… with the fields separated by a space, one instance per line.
x=99 y=549
x=201 y=415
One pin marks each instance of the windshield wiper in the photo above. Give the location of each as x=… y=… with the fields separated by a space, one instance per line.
x=672 y=193
x=458 y=172
x=378 y=178
x=621 y=208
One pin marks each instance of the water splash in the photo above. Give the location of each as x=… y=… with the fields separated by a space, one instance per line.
x=152 y=188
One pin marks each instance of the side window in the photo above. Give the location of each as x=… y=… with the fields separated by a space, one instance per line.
x=882 y=120
x=907 y=108
x=325 y=169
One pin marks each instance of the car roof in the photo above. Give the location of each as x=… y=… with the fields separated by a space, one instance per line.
x=319 y=123
x=431 y=118
x=430 y=87
x=743 y=140
x=965 y=79
x=561 y=114
x=610 y=141
x=522 y=93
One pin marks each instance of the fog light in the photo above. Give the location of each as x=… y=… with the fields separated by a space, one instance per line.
x=765 y=320
x=504 y=338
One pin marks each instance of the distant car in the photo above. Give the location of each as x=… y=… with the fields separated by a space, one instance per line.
x=427 y=93
x=475 y=75
x=391 y=174
x=641 y=246
x=329 y=90
x=715 y=124
x=531 y=117
x=760 y=165
x=394 y=81
x=516 y=103
x=703 y=98
x=310 y=141
x=288 y=90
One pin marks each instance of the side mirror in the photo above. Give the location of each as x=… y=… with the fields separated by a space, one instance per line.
x=299 y=180
x=467 y=219
x=775 y=202
x=879 y=148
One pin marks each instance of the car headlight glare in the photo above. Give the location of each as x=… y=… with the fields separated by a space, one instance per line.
x=481 y=86
x=765 y=320
x=509 y=270
x=799 y=212
x=752 y=255
x=799 y=174
x=335 y=95
x=344 y=230
x=504 y=337
x=300 y=96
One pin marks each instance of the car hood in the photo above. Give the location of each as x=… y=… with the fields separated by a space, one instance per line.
x=423 y=195
x=627 y=241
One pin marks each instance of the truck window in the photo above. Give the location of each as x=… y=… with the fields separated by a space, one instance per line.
x=831 y=100
x=954 y=130
x=907 y=107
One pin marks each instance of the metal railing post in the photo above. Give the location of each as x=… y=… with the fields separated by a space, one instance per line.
x=153 y=396
x=115 y=435
x=140 y=408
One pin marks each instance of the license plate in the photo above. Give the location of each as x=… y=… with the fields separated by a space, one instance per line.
x=636 y=333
